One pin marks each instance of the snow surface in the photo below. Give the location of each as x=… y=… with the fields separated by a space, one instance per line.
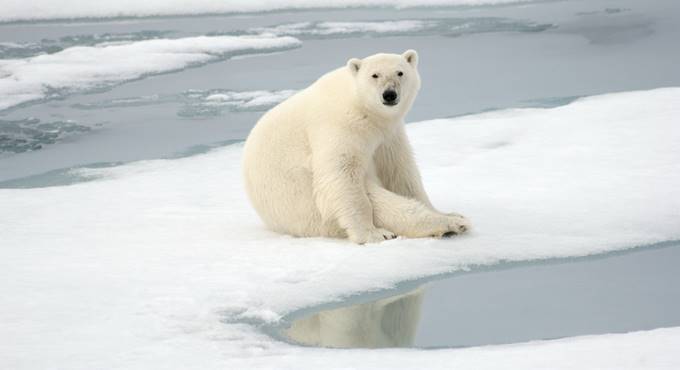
x=163 y=263
x=88 y=67
x=14 y=10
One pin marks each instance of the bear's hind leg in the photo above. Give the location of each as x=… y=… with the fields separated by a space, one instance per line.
x=409 y=217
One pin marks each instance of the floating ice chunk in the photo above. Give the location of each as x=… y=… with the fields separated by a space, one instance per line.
x=251 y=99
x=163 y=263
x=82 y=68
x=47 y=9
x=213 y=102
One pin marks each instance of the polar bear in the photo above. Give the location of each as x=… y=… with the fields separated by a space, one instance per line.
x=333 y=160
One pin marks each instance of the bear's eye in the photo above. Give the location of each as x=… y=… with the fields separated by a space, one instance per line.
x=400 y=73
x=375 y=75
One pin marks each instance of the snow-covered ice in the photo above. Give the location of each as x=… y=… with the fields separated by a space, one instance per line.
x=163 y=264
x=654 y=349
x=15 y=50
x=14 y=10
x=83 y=68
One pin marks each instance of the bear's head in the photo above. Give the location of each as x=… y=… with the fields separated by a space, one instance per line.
x=386 y=84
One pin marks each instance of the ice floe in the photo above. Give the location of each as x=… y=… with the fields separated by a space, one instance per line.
x=16 y=50
x=83 y=68
x=163 y=263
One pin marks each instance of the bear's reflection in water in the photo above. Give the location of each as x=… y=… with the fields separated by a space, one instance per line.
x=389 y=322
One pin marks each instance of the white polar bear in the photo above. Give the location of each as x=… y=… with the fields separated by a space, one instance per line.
x=334 y=160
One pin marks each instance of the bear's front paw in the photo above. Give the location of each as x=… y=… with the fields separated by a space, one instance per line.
x=456 y=224
x=374 y=235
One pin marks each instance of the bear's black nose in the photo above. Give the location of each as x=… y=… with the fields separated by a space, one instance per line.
x=389 y=96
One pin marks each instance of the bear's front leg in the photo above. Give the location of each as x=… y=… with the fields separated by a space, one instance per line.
x=340 y=193
x=411 y=218
x=396 y=167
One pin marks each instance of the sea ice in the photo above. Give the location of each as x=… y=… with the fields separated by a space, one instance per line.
x=163 y=263
x=83 y=68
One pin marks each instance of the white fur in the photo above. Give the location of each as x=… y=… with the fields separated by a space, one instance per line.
x=333 y=160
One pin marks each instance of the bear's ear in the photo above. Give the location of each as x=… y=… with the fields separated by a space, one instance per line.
x=354 y=64
x=411 y=57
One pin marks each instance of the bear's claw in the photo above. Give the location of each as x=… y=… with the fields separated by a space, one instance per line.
x=456 y=225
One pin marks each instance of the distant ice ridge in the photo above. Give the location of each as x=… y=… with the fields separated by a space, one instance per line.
x=443 y=26
x=14 y=10
x=164 y=264
x=83 y=68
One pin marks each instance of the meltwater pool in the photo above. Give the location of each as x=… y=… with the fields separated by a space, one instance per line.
x=615 y=293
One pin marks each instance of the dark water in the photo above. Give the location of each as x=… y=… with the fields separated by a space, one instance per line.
x=472 y=59
x=618 y=293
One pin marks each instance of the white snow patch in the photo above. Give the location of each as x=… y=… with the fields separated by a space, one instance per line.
x=13 y=10
x=154 y=265
x=87 y=67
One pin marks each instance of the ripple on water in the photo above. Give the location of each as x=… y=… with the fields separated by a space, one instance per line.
x=22 y=135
